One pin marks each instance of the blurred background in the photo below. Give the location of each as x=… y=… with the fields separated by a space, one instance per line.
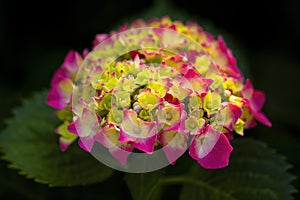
x=35 y=37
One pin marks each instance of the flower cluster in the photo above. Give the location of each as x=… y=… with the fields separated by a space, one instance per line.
x=150 y=98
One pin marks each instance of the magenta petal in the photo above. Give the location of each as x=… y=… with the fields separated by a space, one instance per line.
x=232 y=68
x=72 y=63
x=211 y=149
x=59 y=95
x=125 y=137
x=251 y=123
x=108 y=137
x=248 y=90
x=158 y=31
x=120 y=154
x=68 y=69
x=64 y=143
x=219 y=155
x=192 y=55
x=87 y=124
x=141 y=133
x=99 y=38
x=257 y=100
x=146 y=144
x=234 y=114
x=72 y=128
x=56 y=99
x=60 y=73
x=173 y=154
x=229 y=135
x=191 y=74
x=86 y=143
x=180 y=124
x=261 y=117
x=174 y=144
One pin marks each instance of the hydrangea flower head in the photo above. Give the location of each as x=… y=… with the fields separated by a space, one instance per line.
x=173 y=86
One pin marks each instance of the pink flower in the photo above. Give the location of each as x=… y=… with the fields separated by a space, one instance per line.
x=108 y=137
x=85 y=126
x=140 y=133
x=228 y=115
x=211 y=149
x=193 y=81
x=62 y=83
x=174 y=144
x=255 y=100
x=176 y=81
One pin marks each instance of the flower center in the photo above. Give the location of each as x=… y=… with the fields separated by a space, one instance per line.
x=168 y=116
x=192 y=125
x=137 y=108
x=118 y=119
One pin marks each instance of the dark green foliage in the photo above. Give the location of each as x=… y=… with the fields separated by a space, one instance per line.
x=31 y=146
x=255 y=172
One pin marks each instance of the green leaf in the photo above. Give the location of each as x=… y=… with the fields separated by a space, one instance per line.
x=255 y=172
x=142 y=185
x=31 y=146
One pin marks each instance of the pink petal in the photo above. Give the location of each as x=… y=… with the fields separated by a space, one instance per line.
x=192 y=55
x=118 y=150
x=191 y=74
x=158 y=31
x=173 y=154
x=250 y=123
x=125 y=137
x=72 y=128
x=211 y=149
x=86 y=143
x=72 y=62
x=174 y=144
x=99 y=38
x=56 y=100
x=192 y=80
x=229 y=135
x=145 y=144
x=261 y=117
x=257 y=100
x=120 y=154
x=179 y=125
x=123 y=28
x=233 y=114
x=108 y=137
x=141 y=133
x=65 y=143
x=60 y=73
x=236 y=112
x=86 y=125
x=248 y=90
x=58 y=97
x=248 y=116
x=231 y=69
x=219 y=156
x=138 y=23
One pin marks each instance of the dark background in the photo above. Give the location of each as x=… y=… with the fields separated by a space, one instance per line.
x=35 y=36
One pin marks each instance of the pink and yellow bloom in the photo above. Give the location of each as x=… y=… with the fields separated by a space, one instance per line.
x=150 y=98
x=140 y=133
